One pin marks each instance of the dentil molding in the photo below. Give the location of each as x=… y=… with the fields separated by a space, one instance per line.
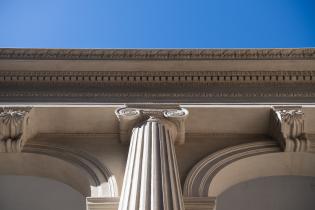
x=178 y=76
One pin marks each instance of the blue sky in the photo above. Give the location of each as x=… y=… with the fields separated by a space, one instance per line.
x=157 y=23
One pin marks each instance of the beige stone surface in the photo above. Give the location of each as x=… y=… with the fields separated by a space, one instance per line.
x=73 y=135
x=275 y=164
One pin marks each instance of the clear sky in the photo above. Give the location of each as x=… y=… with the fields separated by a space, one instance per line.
x=157 y=23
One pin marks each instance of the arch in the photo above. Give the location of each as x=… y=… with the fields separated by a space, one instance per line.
x=225 y=168
x=271 y=192
x=29 y=192
x=272 y=164
x=200 y=176
x=72 y=167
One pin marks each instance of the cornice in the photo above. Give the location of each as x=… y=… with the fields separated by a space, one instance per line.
x=48 y=75
x=157 y=54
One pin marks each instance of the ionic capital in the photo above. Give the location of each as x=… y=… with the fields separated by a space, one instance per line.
x=173 y=118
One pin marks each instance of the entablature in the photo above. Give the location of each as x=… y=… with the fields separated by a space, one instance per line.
x=170 y=76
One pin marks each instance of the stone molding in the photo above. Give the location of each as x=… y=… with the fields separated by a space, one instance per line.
x=162 y=86
x=130 y=117
x=98 y=173
x=134 y=77
x=200 y=203
x=199 y=178
x=157 y=54
x=191 y=203
x=289 y=77
x=13 y=123
x=287 y=127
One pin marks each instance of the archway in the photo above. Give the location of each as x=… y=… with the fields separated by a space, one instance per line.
x=219 y=171
x=29 y=193
x=273 y=192
x=272 y=164
x=74 y=168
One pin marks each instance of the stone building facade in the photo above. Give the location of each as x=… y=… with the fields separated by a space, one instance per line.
x=156 y=129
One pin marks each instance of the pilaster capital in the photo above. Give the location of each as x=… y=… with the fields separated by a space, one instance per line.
x=287 y=126
x=172 y=117
x=13 y=121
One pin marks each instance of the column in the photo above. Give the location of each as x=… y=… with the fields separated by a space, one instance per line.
x=151 y=179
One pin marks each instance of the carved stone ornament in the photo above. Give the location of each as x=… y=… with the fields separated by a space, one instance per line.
x=156 y=54
x=287 y=126
x=130 y=117
x=12 y=128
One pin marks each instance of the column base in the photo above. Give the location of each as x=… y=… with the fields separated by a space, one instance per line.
x=190 y=203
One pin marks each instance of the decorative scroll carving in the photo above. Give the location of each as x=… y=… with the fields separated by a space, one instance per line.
x=12 y=126
x=156 y=54
x=287 y=126
x=130 y=117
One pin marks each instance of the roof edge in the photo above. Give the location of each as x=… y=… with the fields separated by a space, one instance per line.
x=158 y=54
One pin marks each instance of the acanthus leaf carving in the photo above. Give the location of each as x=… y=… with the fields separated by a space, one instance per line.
x=13 y=121
x=287 y=126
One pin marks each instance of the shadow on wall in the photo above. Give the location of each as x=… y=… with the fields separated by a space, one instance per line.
x=36 y=193
x=270 y=193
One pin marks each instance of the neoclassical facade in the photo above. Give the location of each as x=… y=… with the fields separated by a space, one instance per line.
x=156 y=129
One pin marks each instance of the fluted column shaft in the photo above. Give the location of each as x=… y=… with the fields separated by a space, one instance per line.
x=151 y=179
